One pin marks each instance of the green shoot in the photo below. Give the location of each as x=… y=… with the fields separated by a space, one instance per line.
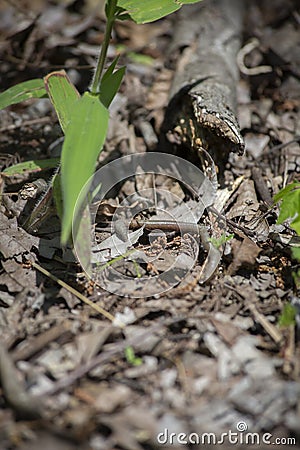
x=218 y=242
x=131 y=358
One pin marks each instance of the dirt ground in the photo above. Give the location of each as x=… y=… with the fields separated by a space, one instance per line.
x=194 y=359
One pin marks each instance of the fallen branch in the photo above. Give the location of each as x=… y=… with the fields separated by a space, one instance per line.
x=201 y=112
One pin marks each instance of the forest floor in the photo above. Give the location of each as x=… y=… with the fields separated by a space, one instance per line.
x=199 y=357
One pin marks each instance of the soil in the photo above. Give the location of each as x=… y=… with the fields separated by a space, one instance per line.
x=123 y=368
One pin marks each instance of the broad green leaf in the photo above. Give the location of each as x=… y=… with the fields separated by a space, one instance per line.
x=290 y=206
x=150 y=10
x=110 y=86
x=290 y=187
x=62 y=94
x=84 y=140
x=22 y=91
x=31 y=167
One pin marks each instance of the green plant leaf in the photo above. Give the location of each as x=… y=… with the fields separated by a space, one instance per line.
x=290 y=187
x=62 y=94
x=296 y=253
x=218 y=242
x=150 y=10
x=57 y=194
x=22 y=91
x=296 y=277
x=30 y=167
x=131 y=358
x=109 y=71
x=139 y=58
x=84 y=140
x=287 y=317
x=110 y=86
x=290 y=205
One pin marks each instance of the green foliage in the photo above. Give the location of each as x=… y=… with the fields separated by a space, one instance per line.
x=296 y=253
x=288 y=315
x=63 y=96
x=84 y=140
x=22 y=91
x=83 y=119
x=57 y=194
x=290 y=209
x=110 y=86
x=150 y=10
x=296 y=278
x=290 y=205
x=131 y=358
x=138 y=58
x=30 y=167
x=218 y=242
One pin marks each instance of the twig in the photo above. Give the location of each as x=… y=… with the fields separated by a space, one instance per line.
x=26 y=123
x=232 y=225
x=76 y=293
x=33 y=346
x=281 y=146
x=273 y=332
x=248 y=292
x=117 y=349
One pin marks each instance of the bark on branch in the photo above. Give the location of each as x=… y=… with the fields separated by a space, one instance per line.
x=201 y=112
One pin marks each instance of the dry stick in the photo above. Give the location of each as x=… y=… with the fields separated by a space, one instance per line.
x=249 y=293
x=38 y=343
x=276 y=148
x=273 y=332
x=26 y=123
x=85 y=368
x=76 y=293
x=201 y=112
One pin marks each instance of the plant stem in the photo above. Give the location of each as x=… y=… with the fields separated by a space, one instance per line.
x=110 y=14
